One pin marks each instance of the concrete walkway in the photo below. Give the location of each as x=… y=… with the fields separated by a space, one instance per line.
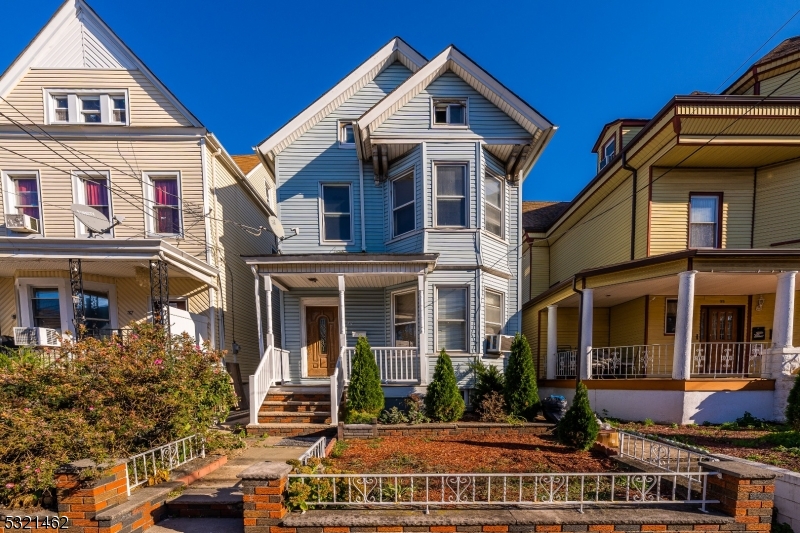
x=199 y=525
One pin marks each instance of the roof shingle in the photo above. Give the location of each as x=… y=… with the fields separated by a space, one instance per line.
x=246 y=162
x=537 y=217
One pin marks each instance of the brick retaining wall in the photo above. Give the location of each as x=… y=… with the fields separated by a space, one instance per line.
x=465 y=429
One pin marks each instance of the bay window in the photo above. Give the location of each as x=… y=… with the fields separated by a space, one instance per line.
x=451 y=196
x=493 y=205
x=403 y=205
x=493 y=307
x=704 y=223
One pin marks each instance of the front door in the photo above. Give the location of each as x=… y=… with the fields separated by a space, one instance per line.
x=322 y=336
x=721 y=334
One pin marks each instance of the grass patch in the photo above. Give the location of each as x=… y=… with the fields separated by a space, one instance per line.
x=339 y=448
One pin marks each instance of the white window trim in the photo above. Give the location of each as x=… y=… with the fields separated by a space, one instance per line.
x=502 y=310
x=148 y=190
x=321 y=213
x=605 y=160
x=340 y=124
x=9 y=200
x=392 y=324
x=436 y=346
x=441 y=99
x=413 y=175
x=79 y=196
x=25 y=315
x=503 y=202
x=75 y=115
x=467 y=217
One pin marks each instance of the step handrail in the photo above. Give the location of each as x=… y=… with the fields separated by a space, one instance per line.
x=260 y=382
x=337 y=386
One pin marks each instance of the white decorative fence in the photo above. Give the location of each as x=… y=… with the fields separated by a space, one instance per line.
x=565 y=364
x=663 y=454
x=268 y=373
x=631 y=362
x=316 y=450
x=396 y=364
x=146 y=466
x=513 y=490
x=727 y=359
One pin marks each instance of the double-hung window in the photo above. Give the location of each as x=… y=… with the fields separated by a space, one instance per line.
x=26 y=194
x=403 y=211
x=451 y=318
x=88 y=106
x=60 y=108
x=493 y=307
x=96 y=310
x=92 y=190
x=90 y=109
x=449 y=112
x=493 y=205
x=337 y=211
x=704 y=220
x=404 y=305
x=609 y=150
x=451 y=196
x=163 y=191
x=45 y=307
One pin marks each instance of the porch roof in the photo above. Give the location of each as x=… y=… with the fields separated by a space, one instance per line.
x=105 y=257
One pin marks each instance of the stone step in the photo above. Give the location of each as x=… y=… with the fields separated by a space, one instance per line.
x=276 y=417
x=296 y=429
x=222 y=502
x=297 y=397
x=295 y=406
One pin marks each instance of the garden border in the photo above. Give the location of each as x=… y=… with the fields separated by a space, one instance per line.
x=372 y=431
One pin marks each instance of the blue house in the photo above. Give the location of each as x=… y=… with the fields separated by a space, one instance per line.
x=400 y=193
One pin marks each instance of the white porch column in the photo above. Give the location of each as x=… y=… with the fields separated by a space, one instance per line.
x=682 y=352
x=268 y=292
x=259 y=327
x=587 y=322
x=552 y=341
x=783 y=319
x=342 y=325
x=422 y=343
x=783 y=358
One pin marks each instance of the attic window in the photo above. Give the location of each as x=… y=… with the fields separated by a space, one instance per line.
x=347 y=138
x=449 y=112
x=609 y=151
x=87 y=107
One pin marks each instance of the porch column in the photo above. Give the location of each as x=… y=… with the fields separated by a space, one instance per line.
x=783 y=319
x=682 y=351
x=422 y=343
x=342 y=325
x=587 y=321
x=268 y=292
x=783 y=358
x=259 y=327
x=552 y=341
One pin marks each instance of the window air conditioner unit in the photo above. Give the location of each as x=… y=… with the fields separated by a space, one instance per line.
x=497 y=344
x=37 y=337
x=22 y=223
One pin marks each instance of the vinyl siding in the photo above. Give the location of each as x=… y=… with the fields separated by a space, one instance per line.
x=8 y=306
x=670 y=207
x=602 y=237
x=412 y=241
x=642 y=212
x=540 y=270
x=485 y=119
x=453 y=247
x=148 y=106
x=261 y=181
x=568 y=326
x=316 y=157
x=626 y=322
x=786 y=84
x=525 y=275
x=777 y=218
x=628 y=133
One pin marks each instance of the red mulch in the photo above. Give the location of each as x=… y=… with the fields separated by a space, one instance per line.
x=454 y=454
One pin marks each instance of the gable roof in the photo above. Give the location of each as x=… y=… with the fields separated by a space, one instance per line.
x=537 y=217
x=623 y=122
x=780 y=59
x=76 y=37
x=395 y=50
x=246 y=162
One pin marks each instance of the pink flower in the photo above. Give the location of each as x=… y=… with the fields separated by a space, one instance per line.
x=158 y=361
x=91 y=408
x=9 y=485
x=37 y=470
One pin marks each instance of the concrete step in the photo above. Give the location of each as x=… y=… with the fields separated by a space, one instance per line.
x=295 y=406
x=221 y=502
x=295 y=429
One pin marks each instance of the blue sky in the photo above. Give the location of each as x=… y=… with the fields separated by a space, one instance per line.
x=244 y=67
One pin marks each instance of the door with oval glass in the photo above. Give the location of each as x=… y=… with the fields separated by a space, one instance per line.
x=322 y=340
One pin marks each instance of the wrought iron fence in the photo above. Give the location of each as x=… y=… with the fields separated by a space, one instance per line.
x=316 y=450
x=727 y=359
x=512 y=490
x=146 y=467
x=631 y=362
x=565 y=364
x=663 y=454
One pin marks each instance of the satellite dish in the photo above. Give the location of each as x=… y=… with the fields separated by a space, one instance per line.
x=276 y=227
x=92 y=219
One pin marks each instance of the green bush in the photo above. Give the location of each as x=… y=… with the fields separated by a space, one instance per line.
x=579 y=427
x=443 y=401
x=364 y=395
x=102 y=400
x=521 y=392
x=793 y=405
x=488 y=379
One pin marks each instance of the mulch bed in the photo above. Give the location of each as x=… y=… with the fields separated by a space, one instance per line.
x=752 y=444
x=454 y=454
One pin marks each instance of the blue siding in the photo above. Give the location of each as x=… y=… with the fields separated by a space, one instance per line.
x=485 y=119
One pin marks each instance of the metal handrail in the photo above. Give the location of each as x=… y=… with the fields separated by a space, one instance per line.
x=518 y=490
x=316 y=450
x=663 y=454
x=727 y=359
x=145 y=466
x=632 y=362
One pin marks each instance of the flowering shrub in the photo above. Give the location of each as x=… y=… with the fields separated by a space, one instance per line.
x=101 y=400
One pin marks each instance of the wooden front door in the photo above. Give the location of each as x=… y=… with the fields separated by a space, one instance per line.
x=322 y=336
x=720 y=334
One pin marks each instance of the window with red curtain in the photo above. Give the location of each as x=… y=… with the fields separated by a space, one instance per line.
x=167 y=212
x=27 y=196
x=96 y=192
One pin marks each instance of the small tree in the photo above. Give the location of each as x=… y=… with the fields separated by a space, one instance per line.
x=793 y=405
x=364 y=395
x=488 y=379
x=579 y=427
x=443 y=400
x=521 y=392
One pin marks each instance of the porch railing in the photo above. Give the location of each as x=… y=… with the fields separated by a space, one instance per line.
x=338 y=381
x=662 y=454
x=147 y=466
x=726 y=359
x=512 y=490
x=268 y=373
x=565 y=364
x=630 y=362
x=396 y=364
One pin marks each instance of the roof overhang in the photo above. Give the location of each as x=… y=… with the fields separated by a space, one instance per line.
x=620 y=122
x=134 y=252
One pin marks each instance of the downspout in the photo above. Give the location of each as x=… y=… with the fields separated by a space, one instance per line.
x=578 y=356
x=361 y=198
x=626 y=166
x=213 y=301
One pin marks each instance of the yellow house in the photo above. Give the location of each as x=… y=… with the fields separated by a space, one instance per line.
x=118 y=205
x=668 y=283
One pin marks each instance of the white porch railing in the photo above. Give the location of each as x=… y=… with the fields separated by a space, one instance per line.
x=316 y=450
x=565 y=364
x=726 y=359
x=631 y=362
x=338 y=380
x=396 y=364
x=145 y=466
x=268 y=373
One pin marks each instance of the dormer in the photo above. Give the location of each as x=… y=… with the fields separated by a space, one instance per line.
x=614 y=137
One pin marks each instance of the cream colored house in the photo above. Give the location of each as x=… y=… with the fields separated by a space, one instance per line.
x=84 y=123
x=671 y=277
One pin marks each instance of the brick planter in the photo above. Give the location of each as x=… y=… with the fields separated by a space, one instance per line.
x=745 y=492
x=464 y=429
